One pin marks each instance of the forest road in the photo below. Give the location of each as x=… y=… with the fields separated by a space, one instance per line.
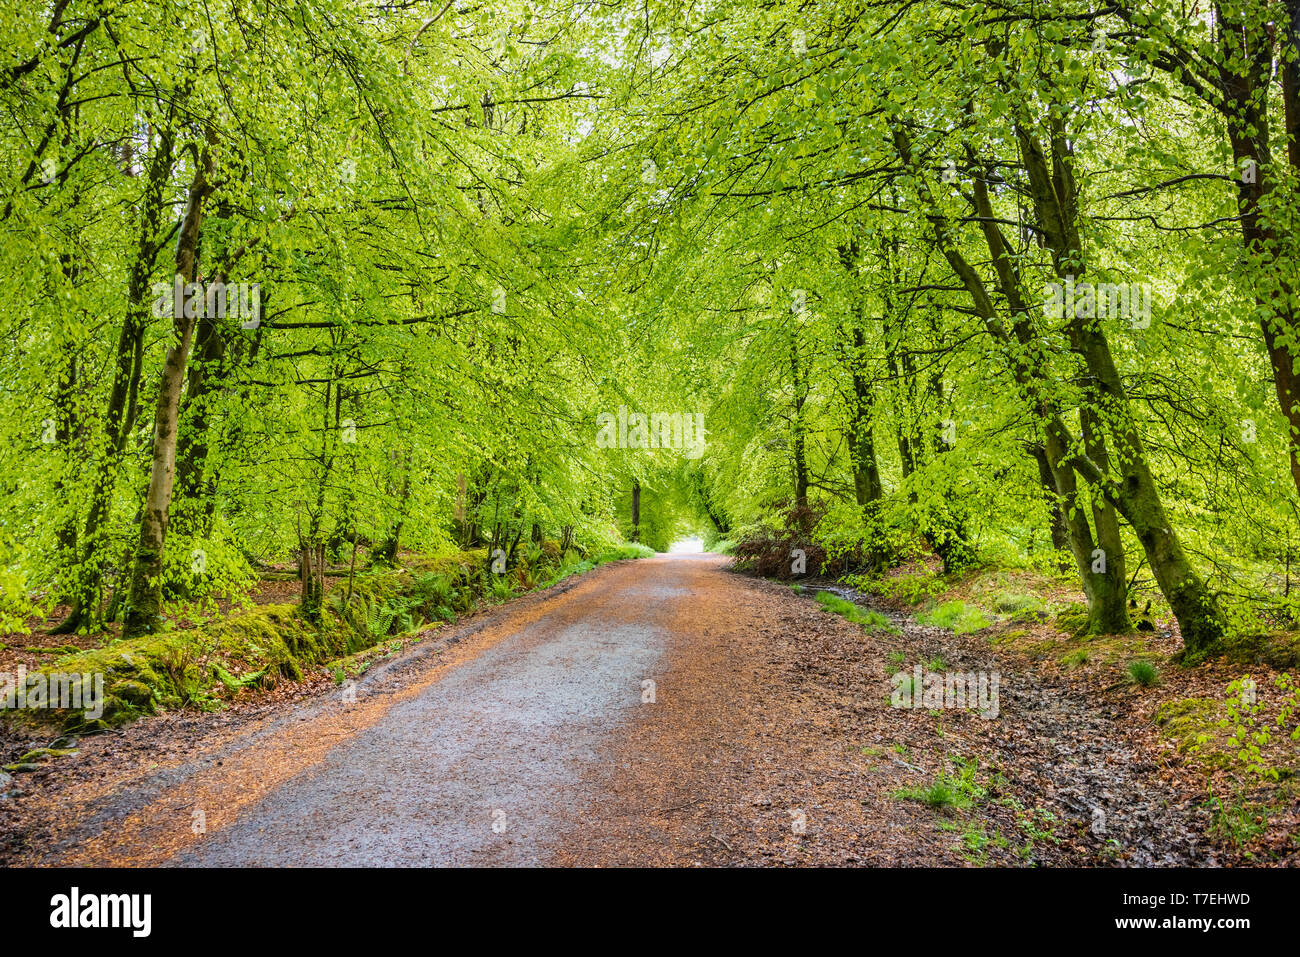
x=492 y=761
x=665 y=711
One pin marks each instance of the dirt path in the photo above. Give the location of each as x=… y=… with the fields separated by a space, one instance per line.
x=532 y=734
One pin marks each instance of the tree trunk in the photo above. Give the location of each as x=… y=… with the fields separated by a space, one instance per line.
x=1134 y=494
x=1108 y=613
x=119 y=420
x=1051 y=497
x=194 y=487
x=798 y=438
x=146 y=578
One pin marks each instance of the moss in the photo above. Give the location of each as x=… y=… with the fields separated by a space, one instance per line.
x=1007 y=637
x=1073 y=619
x=137 y=694
x=1279 y=650
x=193 y=666
x=38 y=756
x=1018 y=605
x=1184 y=708
x=1185 y=720
x=45 y=754
x=1097 y=650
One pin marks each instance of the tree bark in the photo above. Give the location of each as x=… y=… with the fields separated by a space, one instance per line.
x=146 y=577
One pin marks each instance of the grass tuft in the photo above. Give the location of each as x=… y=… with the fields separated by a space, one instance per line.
x=866 y=617
x=1143 y=673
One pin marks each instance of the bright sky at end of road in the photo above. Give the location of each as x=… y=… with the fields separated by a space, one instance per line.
x=687 y=545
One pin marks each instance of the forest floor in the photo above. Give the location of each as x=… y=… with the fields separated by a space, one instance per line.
x=666 y=711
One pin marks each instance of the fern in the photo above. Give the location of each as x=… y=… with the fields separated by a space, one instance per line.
x=379 y=619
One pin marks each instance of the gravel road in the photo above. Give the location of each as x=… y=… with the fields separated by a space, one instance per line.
x=484 y=765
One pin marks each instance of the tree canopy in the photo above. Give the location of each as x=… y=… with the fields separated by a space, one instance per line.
x=1006 y=280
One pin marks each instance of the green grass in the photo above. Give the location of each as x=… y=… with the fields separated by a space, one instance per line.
x=865 y=617
x=976 y=843
x=957 y=616
x=907 y=690
x=910 y=589
x=1143 y=673
x=943 y=793
x=940 y=795
x=956 y=791
x=1076 y=658
x=1239 y=822
x=624 y=551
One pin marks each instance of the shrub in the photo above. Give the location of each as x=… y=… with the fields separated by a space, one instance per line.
x=625 y=551
x=767 y=551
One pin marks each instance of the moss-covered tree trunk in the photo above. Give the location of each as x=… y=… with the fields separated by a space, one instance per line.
x=146 y=577
x=1134 y=492
x=119 y=418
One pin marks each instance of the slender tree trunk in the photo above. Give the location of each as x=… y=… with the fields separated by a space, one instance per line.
x=1247 y=55
x=903 y=399
x=387 y=550
x=867 y=487
x=68 y=434
x=799 y=438
x=1051 y=497
x=146 y=578
x=1134 y=493
x=312 y=547
x=1099 y=558
x=1109 y=614
x=194 y=486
